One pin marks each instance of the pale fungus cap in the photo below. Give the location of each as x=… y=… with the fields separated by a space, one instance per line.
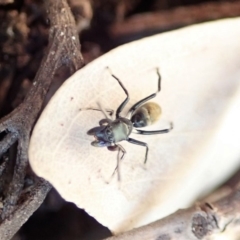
x=200 y=68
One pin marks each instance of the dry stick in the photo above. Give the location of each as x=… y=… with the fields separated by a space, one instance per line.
x=3 y=2
x=174 y=18
x=63 y=49
x=7 y=142
x=202 y=221
x=31 y=202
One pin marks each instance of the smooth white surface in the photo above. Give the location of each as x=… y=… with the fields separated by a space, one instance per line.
x=200 y=68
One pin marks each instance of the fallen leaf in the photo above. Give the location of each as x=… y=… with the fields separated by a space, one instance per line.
x=200 y=68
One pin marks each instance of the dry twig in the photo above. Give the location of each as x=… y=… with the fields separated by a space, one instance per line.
x=202 y=221
x=149 y=23
x=6 y=2
x=63 y=49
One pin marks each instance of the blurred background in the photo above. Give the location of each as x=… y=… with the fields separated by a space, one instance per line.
x=102 y=25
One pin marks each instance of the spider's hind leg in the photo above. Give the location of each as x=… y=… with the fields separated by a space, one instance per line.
x=144 y=132
x=143 y=144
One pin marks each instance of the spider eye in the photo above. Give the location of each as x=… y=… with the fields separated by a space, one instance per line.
x=109 y=134
x=108 y=131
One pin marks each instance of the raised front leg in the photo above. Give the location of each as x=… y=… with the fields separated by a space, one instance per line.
x=110 y=111
x=105 y=121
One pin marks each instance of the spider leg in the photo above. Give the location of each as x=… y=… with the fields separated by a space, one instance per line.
x=143 y=132
x=123 y=104
x=142 y=101
x=104 y=121
x=120 y=149
x=134 y=141
x=110 y=111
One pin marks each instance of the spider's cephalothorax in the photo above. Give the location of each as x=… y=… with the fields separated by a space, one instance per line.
x=111 y=132
x=143 y=113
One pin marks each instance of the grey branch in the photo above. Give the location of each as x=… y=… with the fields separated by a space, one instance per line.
x=204 y=221
x=63 y=50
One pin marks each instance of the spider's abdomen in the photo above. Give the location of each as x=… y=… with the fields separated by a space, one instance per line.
x=146 y=115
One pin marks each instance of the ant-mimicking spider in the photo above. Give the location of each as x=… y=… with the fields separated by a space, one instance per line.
x=110 y=132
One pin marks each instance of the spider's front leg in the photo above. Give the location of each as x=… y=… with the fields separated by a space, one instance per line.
x=110 y=111
x=105 y=121
x=119 y=148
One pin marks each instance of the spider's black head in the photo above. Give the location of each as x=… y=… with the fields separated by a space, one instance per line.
x=112 y=133
x=103 y=135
